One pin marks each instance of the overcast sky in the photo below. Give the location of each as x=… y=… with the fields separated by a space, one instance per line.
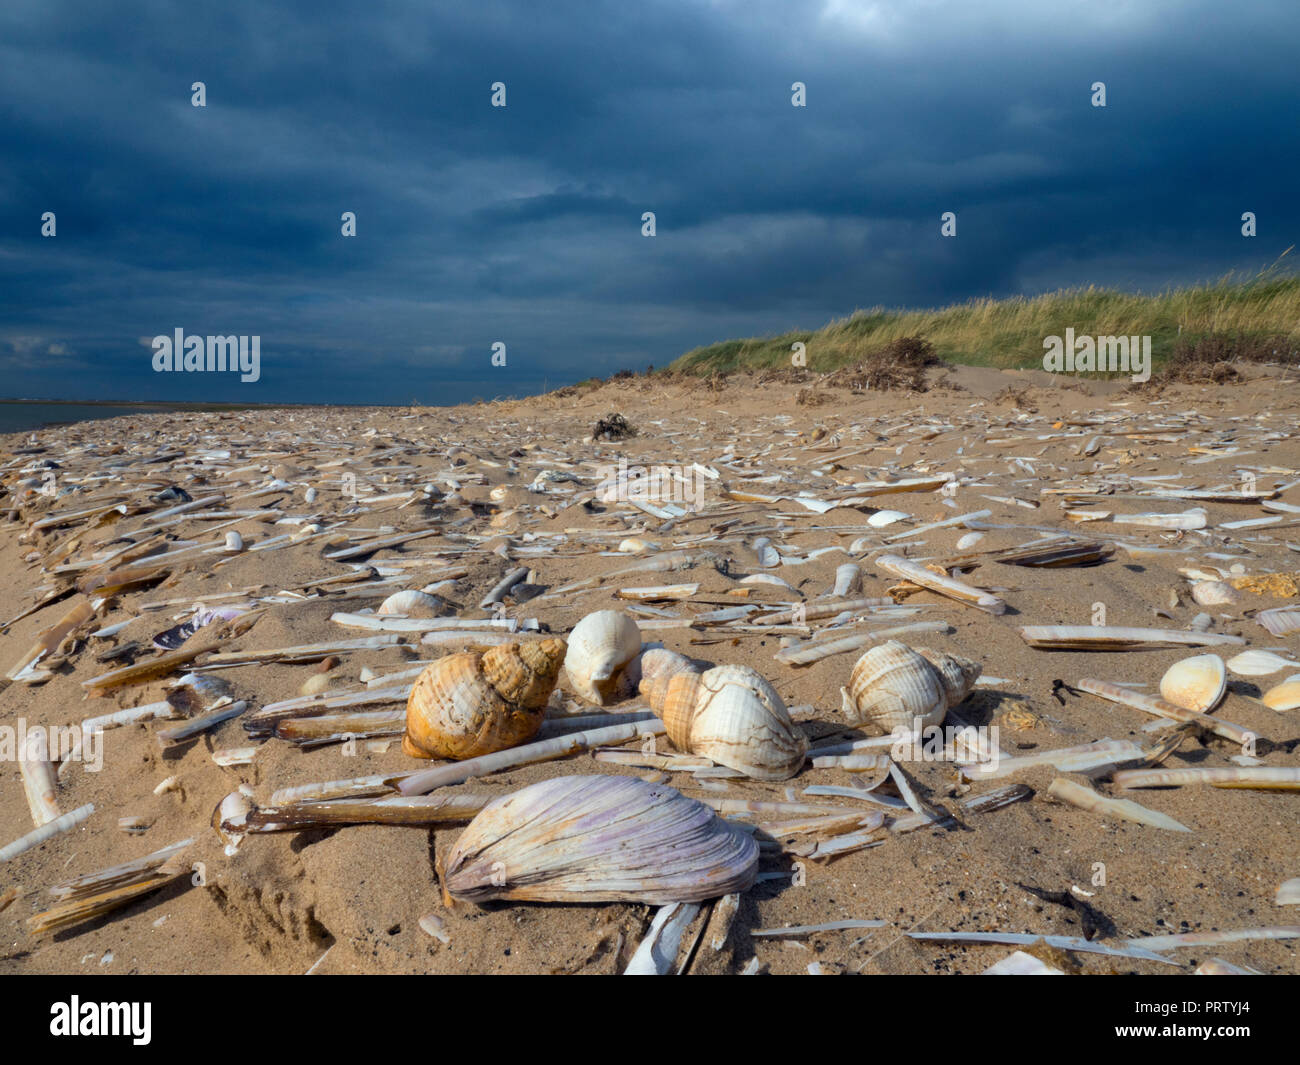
x=523 y=224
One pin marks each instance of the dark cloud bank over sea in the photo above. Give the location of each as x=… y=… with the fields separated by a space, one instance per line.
x=523 y=224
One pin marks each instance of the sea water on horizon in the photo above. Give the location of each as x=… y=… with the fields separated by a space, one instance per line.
x=22 y=417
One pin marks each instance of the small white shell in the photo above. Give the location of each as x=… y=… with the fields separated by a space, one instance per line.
x=765 y=578
x=234 y=542
x=1258 y=663
x=309 y=495
x=969 y=540
x=881 y=518
x=1214 y=593
x=600 y=647
x=1196 y=683
x=413 y=604
x=767 y=554
x=637 y=545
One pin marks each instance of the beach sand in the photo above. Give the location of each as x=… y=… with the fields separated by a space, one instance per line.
x=345 y=900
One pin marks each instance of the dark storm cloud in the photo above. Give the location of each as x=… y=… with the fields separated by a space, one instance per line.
x=478 y=224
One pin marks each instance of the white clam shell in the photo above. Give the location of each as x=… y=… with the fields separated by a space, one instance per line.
x=881 y=518
x=1214 y=593
x=234 y=542
x=1197 y=683
x=413 y=604
x=600 y=647
x=969 y=540
x=599 y=839
x=1259 y=663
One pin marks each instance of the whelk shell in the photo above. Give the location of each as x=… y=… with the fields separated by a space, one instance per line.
x=729 y=714
x=1196 y=683
x=470 y=704
x=892 y=685
x=600 y=648
x=599 y=839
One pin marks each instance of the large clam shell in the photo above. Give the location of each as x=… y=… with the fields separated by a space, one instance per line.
x=599 y=839
x=1197 y=683
x=600 y=647
x=733 y=716
x=468 y=704
x=893 y=686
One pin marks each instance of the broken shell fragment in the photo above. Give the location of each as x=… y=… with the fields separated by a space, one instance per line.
x=729 y=714
x=599 y=839
x=470 y=704
x=600 y=648
x=1196 y=683
x=892 y=685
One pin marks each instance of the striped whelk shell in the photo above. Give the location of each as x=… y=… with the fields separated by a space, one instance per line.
x=599 y=839
x=729 y=714
x=601 y=646
x=1197 y=683
x=892 y=685
x=468 y=704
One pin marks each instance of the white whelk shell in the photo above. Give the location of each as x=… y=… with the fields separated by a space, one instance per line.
x=1197 y=683
x=1258 y=663
x=969 y=540
x=413 y=604
x=881 y=518
x=599 y=839
x=1214 y=593
x=892 y=686
x=729 y=714
x=234 y=542
x=600 y=648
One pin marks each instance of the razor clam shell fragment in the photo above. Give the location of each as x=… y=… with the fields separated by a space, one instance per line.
x=599 y=839
x=1117 y=638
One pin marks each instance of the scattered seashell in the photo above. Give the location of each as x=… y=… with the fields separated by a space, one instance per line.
x=1285 y=696
x=893 y=686
x=1214 y=593
x=881 y=518
x=1086 y=799
x=601 y=646
x=729 y=714
x=471 y=704
x=1259 y=663
x=599 y=839
x=234 y=542
x=413 y=604
x=969 y=540
x=1198 y=683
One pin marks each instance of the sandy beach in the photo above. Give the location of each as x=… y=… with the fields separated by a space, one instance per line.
x=121 y=529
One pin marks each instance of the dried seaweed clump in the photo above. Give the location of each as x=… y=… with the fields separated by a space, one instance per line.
x=613 y=427
x=1017 y=397
x=1208 y=359
x=808 y=397
x=898 y=365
